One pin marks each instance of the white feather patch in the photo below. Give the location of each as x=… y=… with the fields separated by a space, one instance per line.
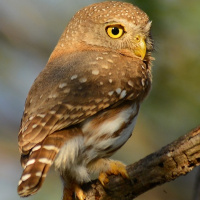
x=68 y=153
x=109 y=127
x=25 y=177
x=45 y=161
x=51 y=148
x=30 y=162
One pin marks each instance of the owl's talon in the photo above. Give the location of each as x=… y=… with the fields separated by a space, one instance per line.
x=116 y=168
x=79 y=193
x=103 y=178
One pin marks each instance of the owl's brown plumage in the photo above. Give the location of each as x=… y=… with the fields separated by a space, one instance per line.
x=83 y=105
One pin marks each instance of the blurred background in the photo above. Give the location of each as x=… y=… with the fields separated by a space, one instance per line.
x=29 y=30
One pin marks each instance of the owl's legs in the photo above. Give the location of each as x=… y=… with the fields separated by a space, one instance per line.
x=74 y=189
x=109 y=167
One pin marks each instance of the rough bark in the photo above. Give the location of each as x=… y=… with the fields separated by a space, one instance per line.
x=167 y=164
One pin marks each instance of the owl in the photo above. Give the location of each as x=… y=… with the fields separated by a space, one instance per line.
x=83 y=106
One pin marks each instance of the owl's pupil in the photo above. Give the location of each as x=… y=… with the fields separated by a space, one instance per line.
x=115 y=31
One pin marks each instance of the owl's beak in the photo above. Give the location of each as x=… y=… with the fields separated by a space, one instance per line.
x=140 y=46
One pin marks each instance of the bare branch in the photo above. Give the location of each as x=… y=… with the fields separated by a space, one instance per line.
x=167 y=164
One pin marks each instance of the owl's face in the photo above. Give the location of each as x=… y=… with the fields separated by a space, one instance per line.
x=120 y=35
x=125 y=30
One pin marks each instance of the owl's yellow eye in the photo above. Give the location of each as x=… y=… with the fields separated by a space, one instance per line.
x=115 y=31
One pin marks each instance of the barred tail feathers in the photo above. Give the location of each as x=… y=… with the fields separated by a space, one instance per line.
x=40 y=159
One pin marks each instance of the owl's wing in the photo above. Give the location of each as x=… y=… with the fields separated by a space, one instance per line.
x=74 y=87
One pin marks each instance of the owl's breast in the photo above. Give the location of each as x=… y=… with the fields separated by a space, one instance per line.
x=107 y=131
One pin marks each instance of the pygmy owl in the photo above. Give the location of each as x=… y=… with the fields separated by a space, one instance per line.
x=83 y=105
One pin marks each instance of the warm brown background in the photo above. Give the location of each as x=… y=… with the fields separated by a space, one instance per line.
x=29 y=31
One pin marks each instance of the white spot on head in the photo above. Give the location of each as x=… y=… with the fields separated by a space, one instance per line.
x=95 y=71
x=104 y=66
x=92 y=63
x=34 y=126
x=25 y=177
x=99 y=58
x=118 y=90
x=110 y=80
x=82 y=80
x=109 y=60
x=74 y=76
x=62 y=85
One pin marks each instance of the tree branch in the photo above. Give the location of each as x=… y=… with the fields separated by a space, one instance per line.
x=167 y=164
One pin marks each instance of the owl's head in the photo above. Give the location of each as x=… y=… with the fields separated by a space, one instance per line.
x=114 y=26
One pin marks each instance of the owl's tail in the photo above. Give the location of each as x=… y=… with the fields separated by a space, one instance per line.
x=38 y=163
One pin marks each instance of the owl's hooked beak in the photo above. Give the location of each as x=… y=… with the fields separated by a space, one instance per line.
x=140 y=46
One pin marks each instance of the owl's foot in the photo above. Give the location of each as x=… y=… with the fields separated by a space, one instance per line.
x=69 y=192
x=116 y=168
x=79 y=193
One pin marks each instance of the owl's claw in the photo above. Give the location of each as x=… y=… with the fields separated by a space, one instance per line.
x=103 y=178
x=79 y=193
x=68 y=193
x=116 y=168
